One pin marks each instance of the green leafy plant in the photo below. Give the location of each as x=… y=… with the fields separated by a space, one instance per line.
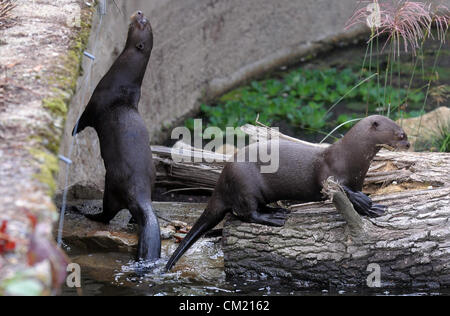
x=301 y=98
x=445 y=145
x=442 y=141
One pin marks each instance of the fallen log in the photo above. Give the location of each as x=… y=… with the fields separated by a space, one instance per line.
x=396 y=170
x=323 y=245
x=170 y=173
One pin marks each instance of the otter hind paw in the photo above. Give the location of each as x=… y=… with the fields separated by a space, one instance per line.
x=276 y=219
x=100 y=217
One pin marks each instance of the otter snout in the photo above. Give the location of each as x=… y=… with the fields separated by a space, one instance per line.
x=404 y=145
x=402 y=141
x=139 y=18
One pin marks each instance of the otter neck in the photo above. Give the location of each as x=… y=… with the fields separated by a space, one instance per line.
x=136 y=73
x=358 y=149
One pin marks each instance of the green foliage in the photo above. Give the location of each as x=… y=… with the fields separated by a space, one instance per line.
x=438 y=142
x=445 y=144
x=343 y=118
x=24 y=283
x=48 y=168
x=442 y=141
x=302 y=98
x=27 y=287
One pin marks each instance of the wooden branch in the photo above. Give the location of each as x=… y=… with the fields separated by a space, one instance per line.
x=345 y=207
x=265 y=132
x=187 y=174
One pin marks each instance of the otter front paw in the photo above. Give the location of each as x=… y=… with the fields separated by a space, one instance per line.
x=363 y=204
x=378 y=210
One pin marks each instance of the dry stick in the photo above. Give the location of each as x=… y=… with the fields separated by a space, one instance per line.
x=386 y=78
x=264 y=130
x=344 y=206
x=188 y=189
x=338 y=127
x=399 y=79
x=378 y=77
x=6 y=8
x=370 y=69
x=350 y=91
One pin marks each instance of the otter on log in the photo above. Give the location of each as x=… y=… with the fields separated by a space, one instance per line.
x=124 y=141
x=243 y=190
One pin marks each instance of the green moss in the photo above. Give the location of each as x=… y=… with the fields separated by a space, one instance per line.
x=56 y=105
x=48 y=138
x=48 y=170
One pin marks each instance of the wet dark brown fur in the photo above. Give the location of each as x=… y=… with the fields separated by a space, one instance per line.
x=124 y=141
x=245 y=191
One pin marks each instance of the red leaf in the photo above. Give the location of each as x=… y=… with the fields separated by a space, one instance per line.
x=10 y=246
x=3 y=227
x=6 y=244
x=32 y=218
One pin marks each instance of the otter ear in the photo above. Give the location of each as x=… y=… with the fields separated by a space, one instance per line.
x=375 y=124
x=140 y=46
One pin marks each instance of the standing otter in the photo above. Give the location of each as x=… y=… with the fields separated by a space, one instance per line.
x=245 y=191
x=124 y=140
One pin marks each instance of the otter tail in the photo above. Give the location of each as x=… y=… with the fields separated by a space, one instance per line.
x=149 y=245
x=83 y=122
x=208 y=220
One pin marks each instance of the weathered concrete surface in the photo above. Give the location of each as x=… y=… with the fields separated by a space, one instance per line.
x=202 y=48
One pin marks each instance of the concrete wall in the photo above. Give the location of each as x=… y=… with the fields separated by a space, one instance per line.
x=202 y=48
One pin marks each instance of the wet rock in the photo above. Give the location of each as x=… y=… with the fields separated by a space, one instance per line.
x=84 y=234
x=179 y=237
x=119 y=235
x=83 y=190
x=179 y=224
x=168 y=232
x=424 y=129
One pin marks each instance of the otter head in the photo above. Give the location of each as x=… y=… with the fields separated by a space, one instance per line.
x=140 y=35
x=386 y=133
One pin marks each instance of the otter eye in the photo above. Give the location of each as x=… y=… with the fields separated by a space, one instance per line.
x=140 y=46
x=375 y=124
x=402 y=136
x=139 y=13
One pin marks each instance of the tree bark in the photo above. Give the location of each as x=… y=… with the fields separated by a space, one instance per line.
x=187 y=174
x=323 y=245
